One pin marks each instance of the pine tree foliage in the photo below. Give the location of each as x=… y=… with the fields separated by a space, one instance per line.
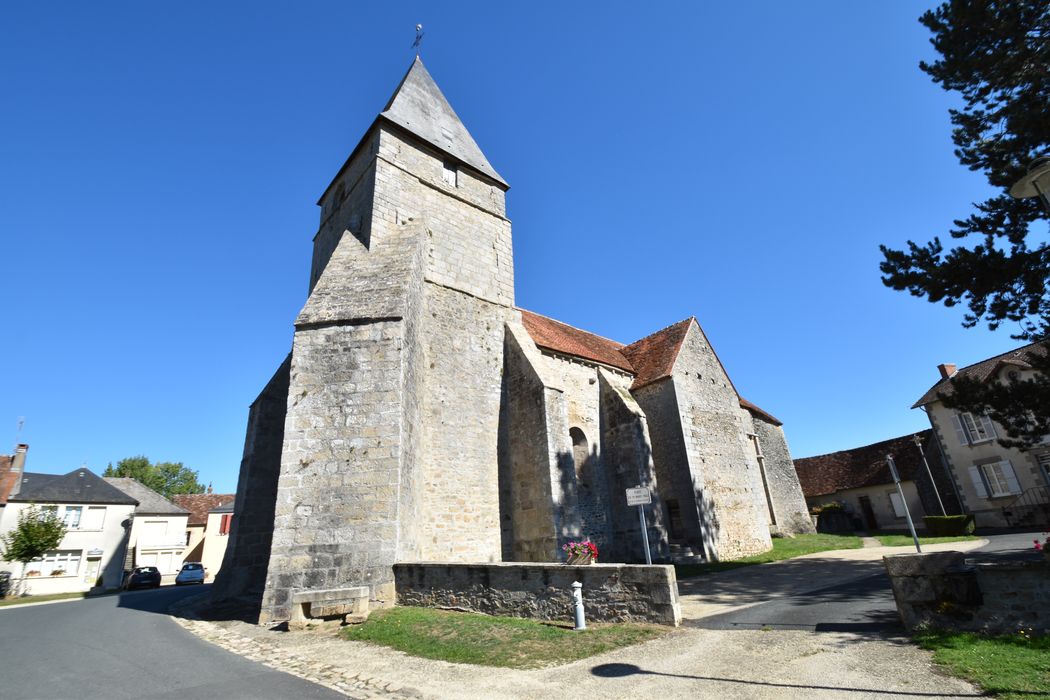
x=996 y=56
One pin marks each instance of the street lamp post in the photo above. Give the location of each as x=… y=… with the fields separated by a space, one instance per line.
x=1035 y=183
x=936 y=491
x=904 y=501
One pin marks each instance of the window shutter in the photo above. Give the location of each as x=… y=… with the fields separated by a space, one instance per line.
x=960 y=432
x=1011 y=477
x=989 y=427
x=898 y=504
x=978 y=482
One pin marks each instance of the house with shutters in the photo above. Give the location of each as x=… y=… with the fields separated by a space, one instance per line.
x=1000 y=486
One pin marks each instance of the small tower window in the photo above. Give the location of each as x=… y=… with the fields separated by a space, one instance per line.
x=450 y=174
x=580 y=453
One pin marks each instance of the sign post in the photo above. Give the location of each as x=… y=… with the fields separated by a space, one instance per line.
x=897 y=480
x=640 y=496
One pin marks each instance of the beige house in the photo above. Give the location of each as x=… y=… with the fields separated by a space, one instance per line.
x=860 y=480
x=97 y=516
x=208 y=528
x=158 y=532
x=1000 y=486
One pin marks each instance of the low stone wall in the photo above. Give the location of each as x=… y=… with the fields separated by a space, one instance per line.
x=939 y=589
x=611 y=592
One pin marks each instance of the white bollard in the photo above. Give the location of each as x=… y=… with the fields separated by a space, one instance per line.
x=577 y=597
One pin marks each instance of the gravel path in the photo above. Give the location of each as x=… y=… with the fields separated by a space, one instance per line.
x=686 y=663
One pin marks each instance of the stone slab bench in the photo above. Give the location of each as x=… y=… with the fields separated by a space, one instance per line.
x=313 y=604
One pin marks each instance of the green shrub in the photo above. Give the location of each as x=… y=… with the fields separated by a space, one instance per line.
x=948 y=525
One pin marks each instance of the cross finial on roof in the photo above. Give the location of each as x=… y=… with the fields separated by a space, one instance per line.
x=419 y=38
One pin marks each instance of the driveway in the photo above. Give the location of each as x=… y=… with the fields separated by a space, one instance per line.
x=126 y=646
x=779 y=653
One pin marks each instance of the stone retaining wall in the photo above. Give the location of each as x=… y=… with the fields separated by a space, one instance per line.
x=941 y=590
x=611 y=592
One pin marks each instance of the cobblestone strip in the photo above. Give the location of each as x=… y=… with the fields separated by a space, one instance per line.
x=356 y=686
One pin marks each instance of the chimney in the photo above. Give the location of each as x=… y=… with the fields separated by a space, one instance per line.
x=14 y=475
x=947 y=370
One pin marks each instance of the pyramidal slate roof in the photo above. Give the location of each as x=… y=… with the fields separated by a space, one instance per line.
x=150 y=502
x=78 y=486
x=419 y=106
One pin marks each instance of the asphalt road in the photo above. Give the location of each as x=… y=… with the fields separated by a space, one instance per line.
x=125 y=646
x=861 y=605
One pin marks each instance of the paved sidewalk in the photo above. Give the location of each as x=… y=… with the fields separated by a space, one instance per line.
x=686 y=663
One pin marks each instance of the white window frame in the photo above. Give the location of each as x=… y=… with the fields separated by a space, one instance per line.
x=995 y=479
x=974 y=430
x=67 y=560
x=68 y=517
x=86 y=521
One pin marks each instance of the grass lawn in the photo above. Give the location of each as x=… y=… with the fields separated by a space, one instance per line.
x=897 y=540
x=783 y=548
x=1010 y=667
x=40 y=598
x=492 y=641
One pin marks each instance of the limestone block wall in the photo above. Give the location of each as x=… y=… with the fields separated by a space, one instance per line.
x=243 y=571
x=941 y=590
x=336 y=516
x=587 y=484
x=629 y=462
x=534 y=455
x=462 y=358
x=347 y=205
x=721 y=461
x=677 y=483
x=611 y=592
x=789 y=503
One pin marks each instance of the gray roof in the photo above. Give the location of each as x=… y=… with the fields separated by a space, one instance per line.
x=78 y=486
x=419 y=106
x=226 y=507
x=986 y=370
x=150 y=502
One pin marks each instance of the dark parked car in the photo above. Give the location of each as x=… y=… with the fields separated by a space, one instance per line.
x=192 y=572
x=143 y=577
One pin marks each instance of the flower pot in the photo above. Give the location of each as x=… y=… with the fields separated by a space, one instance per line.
x=579 y=559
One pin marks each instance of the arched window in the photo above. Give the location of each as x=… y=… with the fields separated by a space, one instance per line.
x=580 y=453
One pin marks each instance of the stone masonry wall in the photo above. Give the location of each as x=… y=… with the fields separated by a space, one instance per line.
x=660 y=405
x=243 y=570
x=611 y=592
x=587 y=485
x=789 y=503
x=336 y=517
x=533 y=454
x=734 y=510
x=940 y=590
x=629 y=463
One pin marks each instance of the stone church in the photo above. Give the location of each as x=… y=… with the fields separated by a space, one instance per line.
x=422 y=416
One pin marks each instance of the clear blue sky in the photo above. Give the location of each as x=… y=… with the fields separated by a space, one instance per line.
x=739 y=162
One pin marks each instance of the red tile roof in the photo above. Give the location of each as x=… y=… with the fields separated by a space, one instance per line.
x=563 y=338
x=198 y=504
x=650 y=359
x=986 y=369
x=653 y=356
x=861 y=466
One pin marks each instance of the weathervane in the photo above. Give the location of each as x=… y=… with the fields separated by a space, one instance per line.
x=419 y=39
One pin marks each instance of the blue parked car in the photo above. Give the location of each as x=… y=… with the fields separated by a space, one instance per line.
x=192 y=572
